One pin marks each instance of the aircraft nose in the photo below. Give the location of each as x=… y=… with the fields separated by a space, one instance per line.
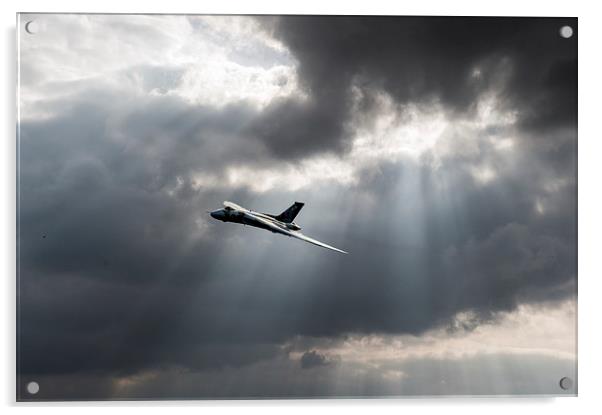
x=217 y=214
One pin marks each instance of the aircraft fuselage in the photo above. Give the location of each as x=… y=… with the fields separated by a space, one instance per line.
x=244 y=218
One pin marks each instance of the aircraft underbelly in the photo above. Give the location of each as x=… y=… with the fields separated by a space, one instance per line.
x=254 y=222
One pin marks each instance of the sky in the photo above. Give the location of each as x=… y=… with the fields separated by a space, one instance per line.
x=439 y=152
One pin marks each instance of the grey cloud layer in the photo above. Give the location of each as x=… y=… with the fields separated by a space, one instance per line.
x=283 y=378
x=418 y=60
x=121 y=271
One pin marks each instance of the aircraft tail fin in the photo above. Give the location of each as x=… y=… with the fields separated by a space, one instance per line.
x=291 y=213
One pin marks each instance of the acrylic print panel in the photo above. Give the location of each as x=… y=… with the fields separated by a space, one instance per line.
x=439 y=153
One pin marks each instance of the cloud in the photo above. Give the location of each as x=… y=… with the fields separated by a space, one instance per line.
x=451 y=191
x=312 y=358
x=417 y=60
x=484 y=374
x=526 y=351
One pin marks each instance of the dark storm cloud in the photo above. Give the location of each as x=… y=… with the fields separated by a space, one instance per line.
x=113 y=295
x=417 y=60
x=123 y=273
x=417 y=259
x=293 y=129
x=103 y=244
x=313 y=358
